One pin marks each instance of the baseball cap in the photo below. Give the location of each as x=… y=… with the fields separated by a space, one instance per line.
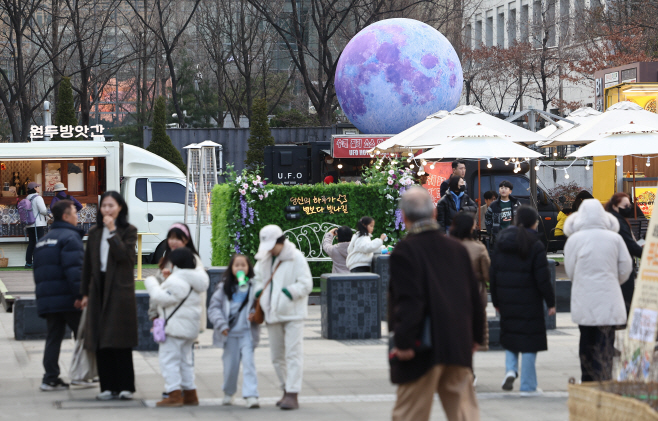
x=59 y=187
x=33 y=185
x=267 y=236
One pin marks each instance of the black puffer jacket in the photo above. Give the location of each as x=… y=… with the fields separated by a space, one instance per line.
x=446 y=209
x=518 y=289
x=628 y=287
x=58 y=260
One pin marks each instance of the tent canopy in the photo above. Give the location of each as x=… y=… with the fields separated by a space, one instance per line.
x=440 y=127
x=629 y=139
x=580 y=116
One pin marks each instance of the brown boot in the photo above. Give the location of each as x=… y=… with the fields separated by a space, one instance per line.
x=289 y=401
x=190 y=397
x=175 y=398
x=281 y=400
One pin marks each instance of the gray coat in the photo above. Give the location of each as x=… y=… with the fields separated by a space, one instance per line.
x=337 y=252
x=219 y=311
x=111 y=318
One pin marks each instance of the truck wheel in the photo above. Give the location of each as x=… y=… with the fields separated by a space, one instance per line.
x=158 y=253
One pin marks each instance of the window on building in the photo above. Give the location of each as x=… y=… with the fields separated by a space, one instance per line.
x=565 y=17
x=525 y=23
x=478 y=31
x=489 y=30
x=468 y=36
x=511 y=26
x=500 y=28
x=552 y=23
x=537 y=23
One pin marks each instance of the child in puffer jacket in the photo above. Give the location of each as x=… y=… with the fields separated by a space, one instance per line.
x=362 y=247
x=229 y=311
x=178 y=300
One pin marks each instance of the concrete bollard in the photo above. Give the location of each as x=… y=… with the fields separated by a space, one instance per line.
x=27 y=323
x=380 y=266
x=351 y=306
x=215 y=274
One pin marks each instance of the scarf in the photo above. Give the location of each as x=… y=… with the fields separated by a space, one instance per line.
x=423 y=225
x=456 y=198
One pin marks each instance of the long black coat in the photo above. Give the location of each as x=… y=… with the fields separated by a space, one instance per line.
x=635 y=250
x=446 y=209
x=57 y=266
x=519 y=288
x=441 y=285
x=111 y=318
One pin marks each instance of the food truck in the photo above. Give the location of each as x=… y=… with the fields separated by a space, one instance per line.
x=154 y=188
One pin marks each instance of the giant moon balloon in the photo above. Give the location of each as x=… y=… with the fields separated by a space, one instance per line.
x=396 y=72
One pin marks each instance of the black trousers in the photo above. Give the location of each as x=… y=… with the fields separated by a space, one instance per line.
x=359 y=269
x=115 y=369
x=57 y=323
x=33 y=234
x=596 y=352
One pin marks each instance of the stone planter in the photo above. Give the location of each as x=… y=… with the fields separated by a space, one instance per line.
x=595 y=401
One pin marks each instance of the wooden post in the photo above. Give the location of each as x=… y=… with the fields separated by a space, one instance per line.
x=634 y=197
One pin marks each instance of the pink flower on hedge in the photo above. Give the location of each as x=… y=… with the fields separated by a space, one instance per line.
x=390 y=181
x=391 y=172
x=243 y=192
x=258 y=177
x=260 y=196
x=266 y=194
x=255 y=182
x=245 y=186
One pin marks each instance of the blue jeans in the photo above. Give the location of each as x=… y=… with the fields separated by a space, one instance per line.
x=528 y=372
x=240 y=349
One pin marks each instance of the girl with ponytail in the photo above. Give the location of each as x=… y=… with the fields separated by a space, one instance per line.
x=362 y=247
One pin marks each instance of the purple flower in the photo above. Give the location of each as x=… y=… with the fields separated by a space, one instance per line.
x=399 y=224
x=251 y=215
x=395 y=176
x=396 y=186
x=243 y=210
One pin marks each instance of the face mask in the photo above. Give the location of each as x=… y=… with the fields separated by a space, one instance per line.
x=462 y=189
x=626 y=212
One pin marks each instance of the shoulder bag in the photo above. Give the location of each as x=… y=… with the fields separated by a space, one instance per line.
x=160 y=323
x=258 y=316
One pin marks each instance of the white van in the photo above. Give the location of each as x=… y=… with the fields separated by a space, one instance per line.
x=154 y=188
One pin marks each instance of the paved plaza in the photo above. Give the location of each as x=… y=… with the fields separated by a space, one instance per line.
x=343 y=380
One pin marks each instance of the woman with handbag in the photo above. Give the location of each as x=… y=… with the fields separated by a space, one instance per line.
x=178 y=304
x=108 y=292
x=283 y=282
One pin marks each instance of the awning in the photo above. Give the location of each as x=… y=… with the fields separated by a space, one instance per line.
x=53 y=150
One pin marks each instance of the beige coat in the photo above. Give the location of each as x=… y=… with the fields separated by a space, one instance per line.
x=480 y=262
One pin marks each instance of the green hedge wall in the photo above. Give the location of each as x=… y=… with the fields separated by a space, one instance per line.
x=362 y=200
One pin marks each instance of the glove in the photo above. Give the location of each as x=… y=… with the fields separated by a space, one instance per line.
x=288 y=294
x=258 y=293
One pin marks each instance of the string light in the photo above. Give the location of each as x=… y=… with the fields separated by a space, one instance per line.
x=587 y=166
x=432 y=166
x=538 y=165
x=555 y=153
x=410 y=154
x=489 y=164
x=340 y=166
x=506 y=162
x=377 y=152
x=412 y=166
x=423 y=162
x=648 y=162
x=408 y=159
x=617 y=163
x=566 y=174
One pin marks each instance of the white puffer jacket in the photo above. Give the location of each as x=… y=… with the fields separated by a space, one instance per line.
x=597 y=261
x=361 y=249
x=293 y=274
x=184 y=323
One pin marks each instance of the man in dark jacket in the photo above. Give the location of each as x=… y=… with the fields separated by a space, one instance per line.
x=57 y=267
x=60 y=189
x=439 y=290
x=458 y=169
x=502 y=211
x=455 y=200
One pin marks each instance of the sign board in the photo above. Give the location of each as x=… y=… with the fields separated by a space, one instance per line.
x=645 y=198
x=611 y=79
x=640 y=334
x=354 y=146
x=441 y=172
x=629 y=75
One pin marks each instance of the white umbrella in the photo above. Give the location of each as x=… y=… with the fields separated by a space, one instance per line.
x=580 y=116
x=629 y=139
x=479 y=142
x=595 y=127
x=439 y=128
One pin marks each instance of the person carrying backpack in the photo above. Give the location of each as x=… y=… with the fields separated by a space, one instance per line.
x=61 y=194
x=32 y=212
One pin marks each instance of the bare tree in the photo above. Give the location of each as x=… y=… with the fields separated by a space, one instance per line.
x=171 y=21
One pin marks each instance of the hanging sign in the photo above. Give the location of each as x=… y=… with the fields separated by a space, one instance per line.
x=355 y=146
x=441 y=172
x=640 y=335
x=645 y=198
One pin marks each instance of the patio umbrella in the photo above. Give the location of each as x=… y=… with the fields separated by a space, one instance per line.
x=440 y=128
x=595 y=128
x=580 y=116
x=628 y=139
x=479 y=142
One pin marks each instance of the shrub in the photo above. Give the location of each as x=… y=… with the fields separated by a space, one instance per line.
x=260 y=136
x=160 y=141
x=65 y=112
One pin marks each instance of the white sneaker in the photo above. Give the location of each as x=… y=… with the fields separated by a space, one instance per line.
x=228 y=400
x=107 y=395
x=532 y=393
x=125 y=395
x=252 y=403
x=508 y=383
